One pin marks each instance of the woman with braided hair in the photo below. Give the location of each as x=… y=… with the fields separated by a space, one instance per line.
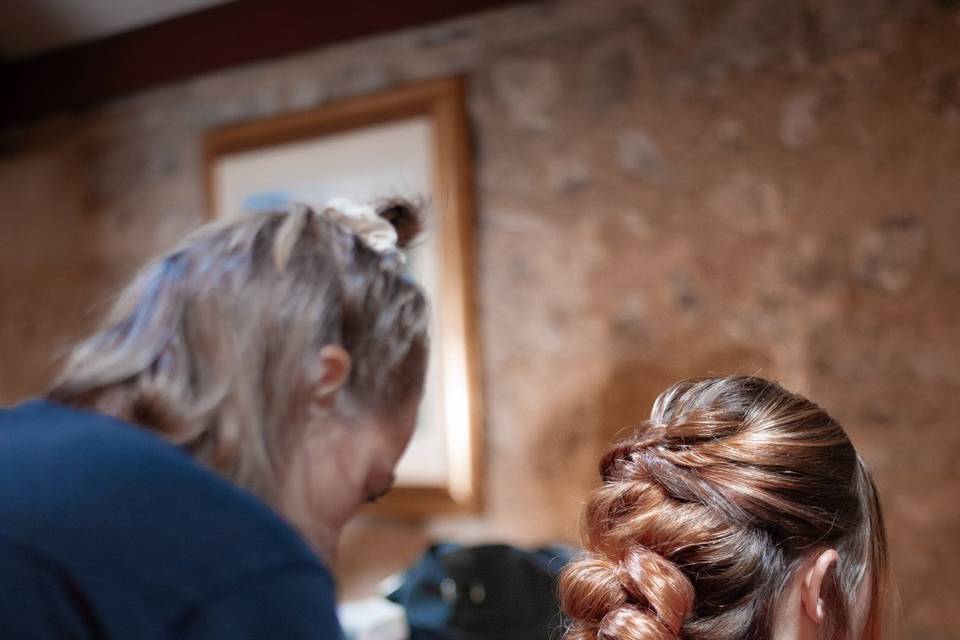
x=738 y=511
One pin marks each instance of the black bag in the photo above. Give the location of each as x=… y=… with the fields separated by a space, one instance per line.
x=490 y=592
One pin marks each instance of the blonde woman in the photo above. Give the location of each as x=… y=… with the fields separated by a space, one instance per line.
x=738 y=511
x=190 y=470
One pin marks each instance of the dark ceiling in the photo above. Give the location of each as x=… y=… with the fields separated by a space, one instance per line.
x=220 y=36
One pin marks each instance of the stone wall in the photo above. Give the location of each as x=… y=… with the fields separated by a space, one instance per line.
x=665 y=188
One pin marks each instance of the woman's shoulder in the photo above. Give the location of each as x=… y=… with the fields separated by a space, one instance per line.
x=121 y=509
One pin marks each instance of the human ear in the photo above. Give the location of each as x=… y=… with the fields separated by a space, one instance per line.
x=332 y=370
x=811 y=591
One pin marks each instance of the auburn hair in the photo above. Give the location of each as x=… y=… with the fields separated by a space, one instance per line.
x=706 y=512
x=212 y=342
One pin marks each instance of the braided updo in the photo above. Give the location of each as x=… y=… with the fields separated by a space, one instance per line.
x=707 y=510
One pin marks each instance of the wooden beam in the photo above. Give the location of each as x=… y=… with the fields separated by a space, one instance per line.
x=222 y=36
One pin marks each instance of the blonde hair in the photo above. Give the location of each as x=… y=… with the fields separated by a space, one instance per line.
x=706 y=512
x=211 y=343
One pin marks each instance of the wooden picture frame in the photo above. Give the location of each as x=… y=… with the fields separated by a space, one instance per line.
x=240 y=155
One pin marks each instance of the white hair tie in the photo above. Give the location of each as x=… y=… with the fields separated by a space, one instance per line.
x=364 y=221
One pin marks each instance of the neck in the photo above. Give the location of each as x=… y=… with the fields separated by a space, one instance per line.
x=306 y=511
x=323 y=540
x=789 y=621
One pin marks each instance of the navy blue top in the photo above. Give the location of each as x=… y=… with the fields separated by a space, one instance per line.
x=107 y=531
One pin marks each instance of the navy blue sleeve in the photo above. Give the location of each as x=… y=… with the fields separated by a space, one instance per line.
x=38 y=601
x=297 y=604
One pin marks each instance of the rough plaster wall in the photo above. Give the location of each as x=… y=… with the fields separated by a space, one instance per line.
x=664 y=188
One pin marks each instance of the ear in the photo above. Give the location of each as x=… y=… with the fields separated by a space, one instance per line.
x=813 y=578
x=333 y=369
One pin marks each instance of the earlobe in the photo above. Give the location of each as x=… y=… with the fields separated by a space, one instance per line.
x=813 y=580
x=333 y=369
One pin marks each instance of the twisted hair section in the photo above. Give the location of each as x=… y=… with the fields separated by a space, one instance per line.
x=708 y=509
x=212 y=342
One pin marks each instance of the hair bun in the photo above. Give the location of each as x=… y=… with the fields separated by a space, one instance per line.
x=405 y=216
x=630 y=622
x=590 y=589
x=643 y=596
